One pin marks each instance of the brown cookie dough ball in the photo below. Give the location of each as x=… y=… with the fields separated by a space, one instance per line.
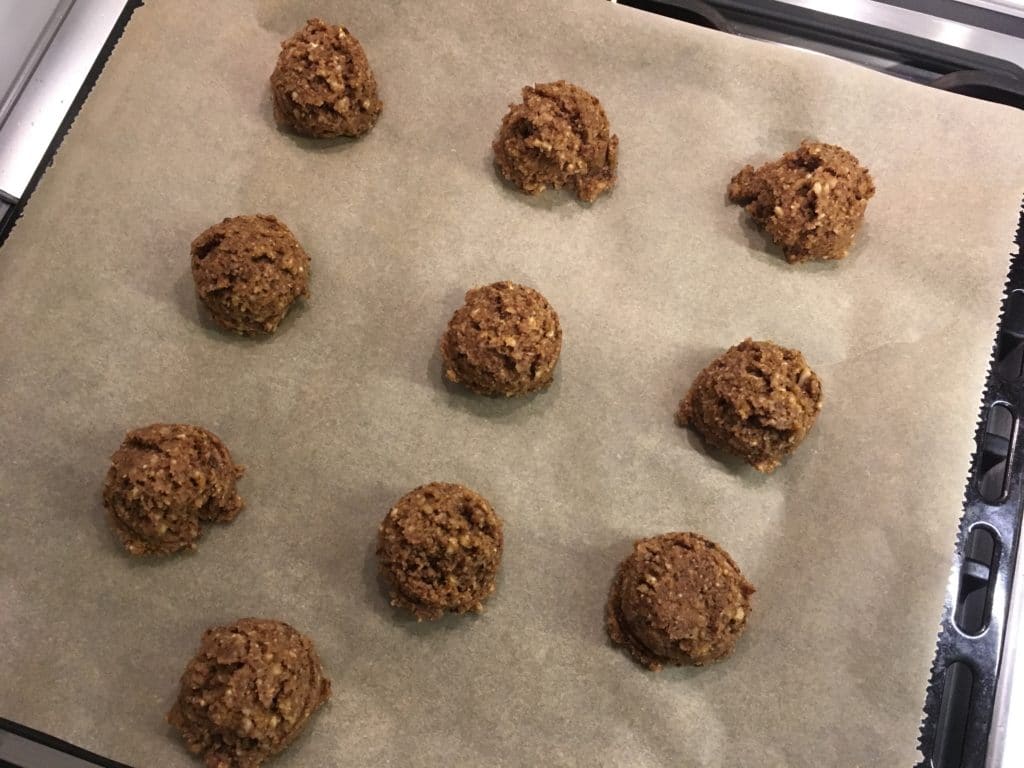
x=558 y=135
x=439 y=549
x=758 y=401
x=678 y=599
x=323 y=85
x=248 y=271
x=248 y=693
x=505 y=340
x=163 y=482
x=811 y=202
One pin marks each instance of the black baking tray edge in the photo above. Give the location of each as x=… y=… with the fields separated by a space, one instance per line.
x=11 y=211
x=961 y=696
x=57 y=750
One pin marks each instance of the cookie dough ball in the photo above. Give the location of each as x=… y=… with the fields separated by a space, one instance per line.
x=439 y=549
x=811 y=202
x=558 y=135
x=757 y=401
x=505 y=340
x=248 y=271
x=248 y=692
x=164 y=482
x=323 y=85
x=678 y=599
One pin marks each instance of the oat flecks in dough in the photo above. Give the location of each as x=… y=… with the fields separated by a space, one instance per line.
x=558 y=135
x=505 y=340
x=757 y=400
x=248 y=271
x=248 y=692
x=811 y=202
x=439 y=549
x=677 y=599
x=323 y=85
x=164 y=482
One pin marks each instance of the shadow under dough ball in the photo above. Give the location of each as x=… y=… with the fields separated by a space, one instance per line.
x=164 y=482
x=557 y=135
x=439 y=549
x=505 y=340
x=248 y=692
x=757 y=400
x=678 y=599
x=323 y=85
x=248 y=271
x=811 y=202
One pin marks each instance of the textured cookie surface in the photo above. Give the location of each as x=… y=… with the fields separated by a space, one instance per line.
x=323 y=85
x=811 y=202
x=678 y=599
x=248 y=692
x=757 y=400
x=164 y=481
x=558 y=135
x=439 y=549
x=505 y=340
x=248 y=271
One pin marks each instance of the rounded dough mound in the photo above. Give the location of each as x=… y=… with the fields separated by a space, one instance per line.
x=163 y=482
x=559 y=134
x=678 y=599
x=811 y=202
x=248 y=271
x=505 y=340
x=248 y=692
x=758 y=401
x=323 y=85
x=439 y=549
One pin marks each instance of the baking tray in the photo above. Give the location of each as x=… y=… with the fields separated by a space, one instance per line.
x=119 y=256
x=962 y=704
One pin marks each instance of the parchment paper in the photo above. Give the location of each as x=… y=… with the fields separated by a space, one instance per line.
x=344 y=410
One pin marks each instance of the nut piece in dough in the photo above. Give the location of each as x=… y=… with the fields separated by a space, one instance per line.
x=757 y=400
x=558 y=134
x=248 y=271
x=811 y=202
x=248 y=692
x=505 y=340
x=439 y=549
x=678 y=599
x=323 y=85
x=163 y=482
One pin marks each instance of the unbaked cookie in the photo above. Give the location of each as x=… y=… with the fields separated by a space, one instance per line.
x=248 y=271
x=505 y=340
x=439 y=549
x=678 y=599
x=248 y=692
x=164 y=482
x=558 y=135
x=811 y=202
x=323 y=85
x=757 y=400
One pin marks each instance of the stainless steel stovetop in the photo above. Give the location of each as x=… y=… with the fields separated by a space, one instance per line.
x=47 y=50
